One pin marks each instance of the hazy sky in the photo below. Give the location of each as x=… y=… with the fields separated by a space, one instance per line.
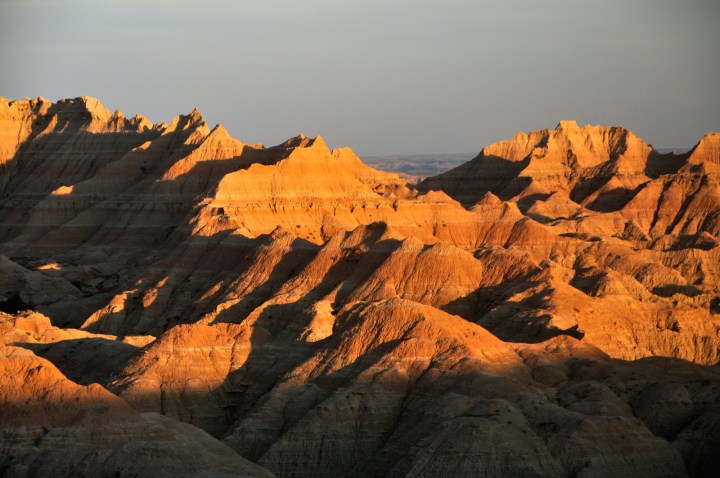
x=380 y=76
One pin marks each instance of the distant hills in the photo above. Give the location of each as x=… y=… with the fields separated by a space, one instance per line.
x=416 y=167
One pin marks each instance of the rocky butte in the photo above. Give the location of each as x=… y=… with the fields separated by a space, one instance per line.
x=176 y=302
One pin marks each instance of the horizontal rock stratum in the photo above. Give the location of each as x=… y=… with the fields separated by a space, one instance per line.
x=550 y=308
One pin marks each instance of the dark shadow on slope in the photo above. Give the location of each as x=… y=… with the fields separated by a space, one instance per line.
x=13 y=304
x=146 y=211
x=585 y=187
x=702 y=241
x=525 y=202
x=689 y=199
x=274 y=351
x=207 y=174
x=351 y=268
x=267 y=406
x=659 y=164
x=715 y=305
x=613 y=200
x=182 y=279
x=301 y=398
x=475 y=305
x=86 y=360
x=149 y=212
x=419 y=411
x=510 y=321
x=253 y=295
x=322 y=393
x=668 y=290
x=468 y=183
x=24 y=181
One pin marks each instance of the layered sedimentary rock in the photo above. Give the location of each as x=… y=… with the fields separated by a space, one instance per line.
x=613 y=179
x=50 y=426
x=579 y=161
x=550 y=308
x=400 y=387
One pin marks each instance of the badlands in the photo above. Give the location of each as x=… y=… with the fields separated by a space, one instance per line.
x=175 y=302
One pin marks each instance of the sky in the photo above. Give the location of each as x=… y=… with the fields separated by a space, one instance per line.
x=380 y=76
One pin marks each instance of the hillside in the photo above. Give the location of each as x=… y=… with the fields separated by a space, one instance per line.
x=549 y=308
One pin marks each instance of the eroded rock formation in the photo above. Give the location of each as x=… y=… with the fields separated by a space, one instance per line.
x=551 y=308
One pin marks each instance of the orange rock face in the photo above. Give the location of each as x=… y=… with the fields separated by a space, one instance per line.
x=550 y=308
x=51 y=426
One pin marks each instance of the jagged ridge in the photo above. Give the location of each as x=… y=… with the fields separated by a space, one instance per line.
x=313 y=312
